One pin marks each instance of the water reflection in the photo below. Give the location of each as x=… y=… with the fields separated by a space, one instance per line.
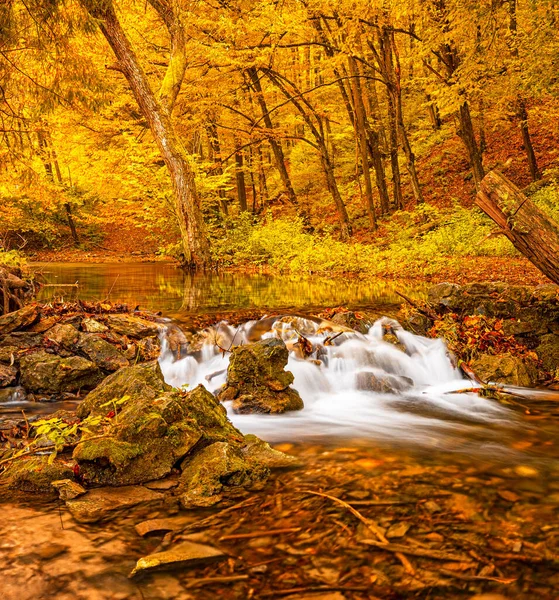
x=162 y=286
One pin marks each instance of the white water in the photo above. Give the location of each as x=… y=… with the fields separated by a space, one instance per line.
x=423 y=411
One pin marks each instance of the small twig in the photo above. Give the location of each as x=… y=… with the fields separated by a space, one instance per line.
x=314 y=588
x=255 y=534
x=465 y=577
x=194 y=583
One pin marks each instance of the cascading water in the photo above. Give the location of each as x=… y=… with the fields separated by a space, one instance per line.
x=353 y=385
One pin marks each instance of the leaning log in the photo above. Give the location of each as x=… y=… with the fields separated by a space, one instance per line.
x=530 y=230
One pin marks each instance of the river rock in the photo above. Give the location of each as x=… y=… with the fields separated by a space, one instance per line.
x=62 y=335
x=548 y=352
x=504 y=368
x=353 y=321
x=207 y=474
x=90 y=325
x=103 y=354
x=7 y=375
x=257 y=381
x=185 y=554
x=68 y=489
x=35 y=474
x=8 y=354
x=382 y=383
x=133 y=326
x=139 y=382
x=103 y=503
x=19 y=319
x=261 y=452
x=150 y=435
x=44 y=372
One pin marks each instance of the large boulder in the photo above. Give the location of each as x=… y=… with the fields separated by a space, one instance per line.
x=62 y=336
x=257 y=381
x=52 y=374
x=505 y=369
x=215 y=469
x=149 y=435
x=139 y=382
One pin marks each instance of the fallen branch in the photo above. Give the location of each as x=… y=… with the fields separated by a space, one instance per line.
x=370 y=524
x=422 y=552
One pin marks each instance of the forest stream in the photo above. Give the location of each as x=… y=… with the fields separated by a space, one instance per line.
x=420 y=489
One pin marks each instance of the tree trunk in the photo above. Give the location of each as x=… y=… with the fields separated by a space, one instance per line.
x=522 y=115
x=468 y=136
x=240 y=178
x=361 y=134
x=215 y=147
x=189 y=214
x=275 y=144
x=530 y=230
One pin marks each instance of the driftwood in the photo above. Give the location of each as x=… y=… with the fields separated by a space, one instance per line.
x=531 y=231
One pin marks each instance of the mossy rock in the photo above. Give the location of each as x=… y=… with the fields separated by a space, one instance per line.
x=214 y=470
x=19 y=319
x=548 y=352
x=62 y=335
x=144 y=381
x=133 y=326
x=150 y=435
x=35 y=474
x=505 y=369
x=257 y=381
x=44 y=372
x=103 y=354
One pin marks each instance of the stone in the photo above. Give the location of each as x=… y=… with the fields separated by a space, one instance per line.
x=257 y=380
x=133 y=326
x=359 y=322
x=50 y=551
x=548 y=352
x=162 y=525
x=103 y=354
x=8 y=354
x=259 y=451
x=443 y=293
x=382 y=384
x=517 y=327
x=504 y=368
x=35 y=474
x=138 y=382
x=7 y=375
x=185 y=554
x=162 y=484
x=21 y=340
x=44 y=372
x=104 y=503
x=208 y=474
x=63 y=335
x=151 y=434
x=90 y=325
x=68 y=489
x=19 y=319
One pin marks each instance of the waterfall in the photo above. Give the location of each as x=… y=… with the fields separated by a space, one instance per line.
x=405 y=388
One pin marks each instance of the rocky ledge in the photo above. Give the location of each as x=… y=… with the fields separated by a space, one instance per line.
x=507 y=334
